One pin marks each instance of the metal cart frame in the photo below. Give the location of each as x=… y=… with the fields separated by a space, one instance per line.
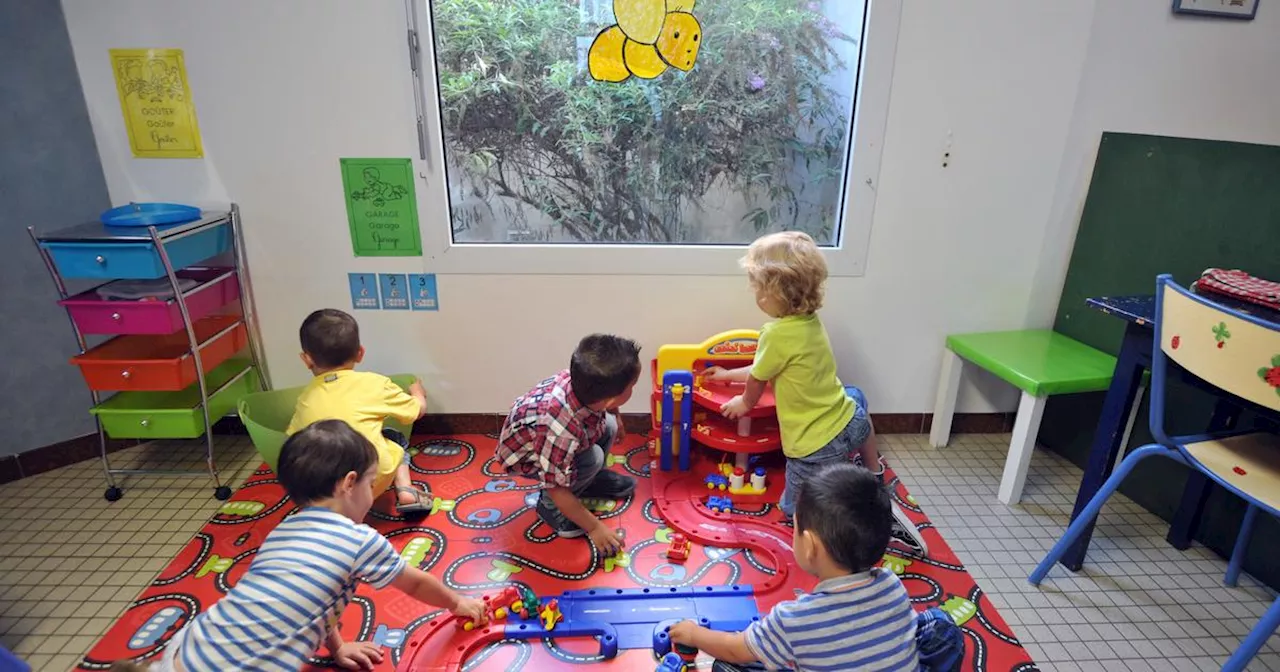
x=159 y=238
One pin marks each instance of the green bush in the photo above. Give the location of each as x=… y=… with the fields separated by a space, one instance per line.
x=631 y=162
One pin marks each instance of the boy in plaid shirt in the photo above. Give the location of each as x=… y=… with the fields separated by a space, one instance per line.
x=559 y=433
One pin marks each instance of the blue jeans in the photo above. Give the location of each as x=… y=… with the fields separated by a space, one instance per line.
x=843 y=448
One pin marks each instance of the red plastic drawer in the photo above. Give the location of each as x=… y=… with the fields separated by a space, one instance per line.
x=160 y=363
x=94 y=315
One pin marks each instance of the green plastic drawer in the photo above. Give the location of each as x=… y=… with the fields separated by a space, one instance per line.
x=175 y=415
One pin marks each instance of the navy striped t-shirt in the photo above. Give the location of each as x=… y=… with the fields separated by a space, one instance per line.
x=857 y=622
x=281 y=610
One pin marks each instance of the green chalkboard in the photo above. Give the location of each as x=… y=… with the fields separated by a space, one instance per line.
x=1167 y=205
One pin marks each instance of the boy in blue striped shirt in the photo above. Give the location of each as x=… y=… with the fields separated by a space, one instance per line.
x=858 y=617
x=305 y=573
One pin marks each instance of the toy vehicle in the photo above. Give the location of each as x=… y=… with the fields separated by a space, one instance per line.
x=678 y=549
x=671 y=663
x=551 y=615
x=719 y=504
x=717 y=482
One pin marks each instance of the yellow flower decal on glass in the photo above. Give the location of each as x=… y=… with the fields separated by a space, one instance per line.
x=650 y=36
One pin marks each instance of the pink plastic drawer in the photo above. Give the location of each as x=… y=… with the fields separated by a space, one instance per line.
x=94 y=315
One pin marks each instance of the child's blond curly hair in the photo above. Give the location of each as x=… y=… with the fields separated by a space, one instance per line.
x=788 y=266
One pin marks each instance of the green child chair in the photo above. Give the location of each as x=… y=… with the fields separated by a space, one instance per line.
x=266 y=415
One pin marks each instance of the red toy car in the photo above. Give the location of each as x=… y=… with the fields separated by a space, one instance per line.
x=678 y=549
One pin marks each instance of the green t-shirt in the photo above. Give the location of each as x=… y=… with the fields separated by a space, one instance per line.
x=813 y=409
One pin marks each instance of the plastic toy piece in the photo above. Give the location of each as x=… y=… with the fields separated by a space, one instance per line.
x=686 y=653
x=678 y=549
x=716 y=481
x=671 y=663
x=719 y=504
x=737 y=475
x=551 y=615
x=677 y=411
x=1239 y=471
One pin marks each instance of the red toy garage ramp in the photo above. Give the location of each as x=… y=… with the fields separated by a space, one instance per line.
x=486 y=537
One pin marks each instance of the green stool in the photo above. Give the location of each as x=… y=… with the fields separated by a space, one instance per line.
x=1040 y=363
x=266 y=415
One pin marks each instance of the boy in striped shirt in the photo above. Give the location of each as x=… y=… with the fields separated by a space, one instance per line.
x=858 y=617
x=305 y=573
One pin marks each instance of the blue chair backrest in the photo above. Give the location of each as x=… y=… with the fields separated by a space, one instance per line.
x=1233 y=351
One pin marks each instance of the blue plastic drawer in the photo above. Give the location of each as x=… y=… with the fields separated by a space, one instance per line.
x=134 y=260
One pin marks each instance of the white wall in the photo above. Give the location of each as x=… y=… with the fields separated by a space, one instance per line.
x=284 y=88
x=1150 y=71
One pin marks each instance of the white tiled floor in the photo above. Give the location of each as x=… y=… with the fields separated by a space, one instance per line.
x=1138 y=605
x=70 y=562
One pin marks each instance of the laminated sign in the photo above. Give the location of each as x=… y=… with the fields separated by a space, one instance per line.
x=155 y=98
x=381 y=207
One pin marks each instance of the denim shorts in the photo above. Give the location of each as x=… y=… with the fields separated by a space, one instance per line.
x=843 y=448
x=399 y=439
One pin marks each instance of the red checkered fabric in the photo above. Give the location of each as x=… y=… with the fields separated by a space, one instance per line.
x=545 y=429
x=1240 y=285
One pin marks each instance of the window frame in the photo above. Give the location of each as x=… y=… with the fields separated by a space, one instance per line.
x=846 y=259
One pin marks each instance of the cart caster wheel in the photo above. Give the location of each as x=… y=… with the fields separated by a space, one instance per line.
x=113 y=494
x=222 y=494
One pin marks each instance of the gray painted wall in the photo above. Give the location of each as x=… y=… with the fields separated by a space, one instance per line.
x=50 y=177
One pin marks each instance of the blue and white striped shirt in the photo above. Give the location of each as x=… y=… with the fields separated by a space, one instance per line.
x=857 y=622
x=281 y=610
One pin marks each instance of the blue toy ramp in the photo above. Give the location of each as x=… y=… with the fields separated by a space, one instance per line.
x=641 y=616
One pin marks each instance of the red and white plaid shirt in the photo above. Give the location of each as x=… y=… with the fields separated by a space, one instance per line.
x=545 y=430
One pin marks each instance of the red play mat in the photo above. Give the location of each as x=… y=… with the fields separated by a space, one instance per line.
x=491 y=538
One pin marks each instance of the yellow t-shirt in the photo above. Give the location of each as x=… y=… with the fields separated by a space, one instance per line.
x=364 y=400
x=813 y=408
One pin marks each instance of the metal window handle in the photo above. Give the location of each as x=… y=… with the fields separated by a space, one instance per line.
x=100 y=259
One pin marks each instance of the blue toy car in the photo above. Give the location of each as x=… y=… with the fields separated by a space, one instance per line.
x=715 y=481
x=671 y=663
x=719 y=504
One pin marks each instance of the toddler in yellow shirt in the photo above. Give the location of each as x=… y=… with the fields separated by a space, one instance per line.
x=819 y=422
x=331 y=349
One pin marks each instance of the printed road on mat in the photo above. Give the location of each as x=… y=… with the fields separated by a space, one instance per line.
x=485 y=536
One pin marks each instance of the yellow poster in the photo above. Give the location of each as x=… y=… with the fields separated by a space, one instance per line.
x=156 y=101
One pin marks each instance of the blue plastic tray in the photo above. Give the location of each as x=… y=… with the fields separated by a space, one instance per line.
x=150 y=214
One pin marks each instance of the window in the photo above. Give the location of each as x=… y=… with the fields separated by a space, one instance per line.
x=637 y=126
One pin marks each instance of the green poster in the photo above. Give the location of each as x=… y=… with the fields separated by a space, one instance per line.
x=381 y=207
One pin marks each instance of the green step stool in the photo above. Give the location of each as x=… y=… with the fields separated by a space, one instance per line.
x=1041 y=363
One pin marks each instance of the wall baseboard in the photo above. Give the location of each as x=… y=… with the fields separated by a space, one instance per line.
x=80 y=448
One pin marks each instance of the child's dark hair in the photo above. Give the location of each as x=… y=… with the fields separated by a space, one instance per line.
x=330 y=337
x=849 y=510
x=603 y=366
x=316 y=458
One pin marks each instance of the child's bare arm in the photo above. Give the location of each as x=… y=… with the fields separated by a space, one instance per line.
x=723 y=375
x=420 y=393
x=353 y=655
x=743 y=403
x=730 y=647
x=426 y=588
x=334 y=641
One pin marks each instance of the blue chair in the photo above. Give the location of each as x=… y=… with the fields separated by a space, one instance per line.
x=1238 y=354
